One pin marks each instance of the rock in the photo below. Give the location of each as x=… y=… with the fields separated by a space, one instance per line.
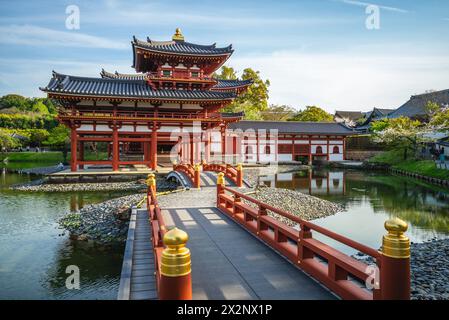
x=105 y=223
x=299 y=204
x=429 y=264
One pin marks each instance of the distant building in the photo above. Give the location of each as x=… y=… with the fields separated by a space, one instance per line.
x=349 y=118
x=415 y=108
x=374 y=115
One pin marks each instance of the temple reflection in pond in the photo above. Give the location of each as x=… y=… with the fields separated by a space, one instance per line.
x=309 y=182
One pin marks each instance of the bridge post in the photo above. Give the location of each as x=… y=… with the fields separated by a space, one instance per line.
x=151 y=182
x=395 y=264
x=239 y=169
x=175 y=280
x=197 y=180
x=220 y=186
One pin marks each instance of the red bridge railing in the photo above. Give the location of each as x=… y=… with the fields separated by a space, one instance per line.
x=235 y=174
x=193 y=172
x=390 y=279
x=171 y=258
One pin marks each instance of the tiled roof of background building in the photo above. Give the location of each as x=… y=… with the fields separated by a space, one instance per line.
x=294 y=127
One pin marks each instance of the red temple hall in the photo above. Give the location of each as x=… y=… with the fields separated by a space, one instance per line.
x=174 y=100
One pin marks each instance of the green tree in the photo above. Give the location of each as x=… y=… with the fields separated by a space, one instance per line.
x=314 y=114
x=14 y=100
x=440 y=120
x=39 y=107
x=6 y=141
x=401 y=133
x=226 y=73
x=59 y=138
x=254 y=100
x=278 y=113
x=38 y=136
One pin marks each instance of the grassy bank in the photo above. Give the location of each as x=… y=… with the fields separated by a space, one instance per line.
x=423 y=167
x=52 y=157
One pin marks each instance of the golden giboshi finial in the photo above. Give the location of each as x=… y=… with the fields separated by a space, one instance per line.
x=395 y=244
x=178 y=35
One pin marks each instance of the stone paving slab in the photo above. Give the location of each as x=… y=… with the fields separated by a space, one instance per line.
x=229 y=263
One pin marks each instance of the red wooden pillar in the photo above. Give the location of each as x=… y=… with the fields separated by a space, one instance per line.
x=81 y=154
x=310 y=151
x=344 y=148
x=224 y=143
x=198 y=147
x=257 y=147
x=191 y=149
x=207 y=146
x=328 y=151
x=115 y=149
x=153 y=148
x=145 y=152
x=73 y=149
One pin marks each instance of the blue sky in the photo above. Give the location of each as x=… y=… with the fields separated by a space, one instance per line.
x=313 y=51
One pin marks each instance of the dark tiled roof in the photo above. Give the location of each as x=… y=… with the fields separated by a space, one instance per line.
x=227 y=84
x=122 y=76
x=65 y=84
x=416 y=106
x=181 y=47
x=351 y=115
x=384 y=111
x=294 y=127
x=221 y=84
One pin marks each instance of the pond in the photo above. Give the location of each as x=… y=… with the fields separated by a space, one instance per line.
x=370 y=198
x=34 y=254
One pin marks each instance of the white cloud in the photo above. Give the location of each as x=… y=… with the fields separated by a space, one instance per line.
x=365 y=4
x=344 y=81
x=27 y=75
x=39 y=36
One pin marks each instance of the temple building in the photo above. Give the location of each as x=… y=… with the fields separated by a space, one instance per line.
x=173 y=102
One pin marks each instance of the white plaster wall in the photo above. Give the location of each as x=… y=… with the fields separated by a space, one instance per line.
x=142 y=129
x=324 y=148
x=331 y=148
x=335 y=157
x=335 y=142
x=86 y=127
x=103 y=127
x=285 y=157
x=285 y=176
x=126 y=129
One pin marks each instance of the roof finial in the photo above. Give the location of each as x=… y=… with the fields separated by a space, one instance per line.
x=178 y=35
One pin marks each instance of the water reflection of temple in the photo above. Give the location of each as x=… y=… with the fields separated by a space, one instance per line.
x=311 y=182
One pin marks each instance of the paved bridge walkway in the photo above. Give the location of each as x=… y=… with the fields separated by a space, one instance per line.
x=227 y=261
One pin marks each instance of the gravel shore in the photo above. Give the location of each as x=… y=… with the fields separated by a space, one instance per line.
x=104 y=223
x=299 y=204
x=429 y=265
x=162 y=185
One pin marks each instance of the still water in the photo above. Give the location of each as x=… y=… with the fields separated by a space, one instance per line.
x=34 y=255
x=369 y=199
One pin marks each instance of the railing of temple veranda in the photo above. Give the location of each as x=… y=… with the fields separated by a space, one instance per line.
x=342 y=274
x=85 y=113
x=171 y=257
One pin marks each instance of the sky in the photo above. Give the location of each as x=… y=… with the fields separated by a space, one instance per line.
x=334 y=54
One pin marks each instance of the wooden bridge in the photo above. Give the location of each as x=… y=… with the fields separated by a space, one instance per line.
x=237 y=250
